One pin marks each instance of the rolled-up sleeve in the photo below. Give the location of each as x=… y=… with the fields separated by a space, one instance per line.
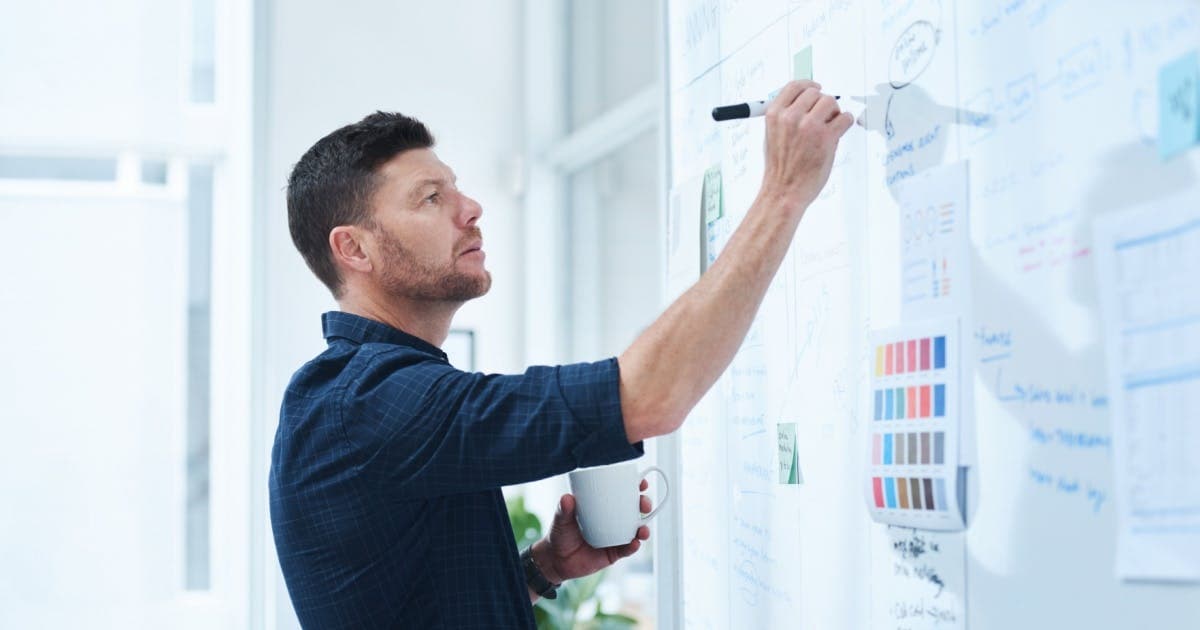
x=428 y=429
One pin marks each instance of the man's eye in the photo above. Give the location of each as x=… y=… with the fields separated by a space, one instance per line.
x=434 y=198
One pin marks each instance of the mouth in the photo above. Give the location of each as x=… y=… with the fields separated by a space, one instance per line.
x=473 y=247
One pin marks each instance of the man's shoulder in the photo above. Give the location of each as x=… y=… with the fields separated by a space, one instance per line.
x=344 y=364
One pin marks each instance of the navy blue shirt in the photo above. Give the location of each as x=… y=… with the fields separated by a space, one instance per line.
x=386 y=474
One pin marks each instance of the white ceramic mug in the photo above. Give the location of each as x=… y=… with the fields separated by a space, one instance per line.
x=608 y=502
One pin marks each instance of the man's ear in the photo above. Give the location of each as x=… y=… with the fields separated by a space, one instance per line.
x=350 y=249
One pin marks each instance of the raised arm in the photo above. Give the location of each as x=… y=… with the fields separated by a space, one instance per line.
x=670 y=366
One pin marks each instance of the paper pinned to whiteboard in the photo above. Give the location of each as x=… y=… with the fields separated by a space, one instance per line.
x=911 y=474
x=935 y=243
x=1147 y=261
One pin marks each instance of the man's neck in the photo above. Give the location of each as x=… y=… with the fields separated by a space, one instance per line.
x=428 y=321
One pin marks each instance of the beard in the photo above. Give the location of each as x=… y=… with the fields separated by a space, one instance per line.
x=405 y=276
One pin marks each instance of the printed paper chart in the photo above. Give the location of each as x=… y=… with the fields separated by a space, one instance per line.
x=912 y=465
x=1147 y=261
x=934 y=243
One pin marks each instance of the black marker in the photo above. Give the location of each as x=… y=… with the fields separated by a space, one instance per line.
x=742 y=110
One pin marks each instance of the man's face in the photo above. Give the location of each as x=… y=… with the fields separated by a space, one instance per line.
x=426 y=237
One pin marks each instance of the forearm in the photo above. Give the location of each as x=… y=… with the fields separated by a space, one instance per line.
x=666 y=371
x=670 y=366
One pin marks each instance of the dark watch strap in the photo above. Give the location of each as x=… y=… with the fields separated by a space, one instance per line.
x=534 y=577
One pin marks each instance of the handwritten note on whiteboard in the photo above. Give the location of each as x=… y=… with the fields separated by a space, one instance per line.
x=918 y=581
x=1148 y=259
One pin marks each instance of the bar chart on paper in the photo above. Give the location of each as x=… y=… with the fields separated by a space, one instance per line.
x=913 y=464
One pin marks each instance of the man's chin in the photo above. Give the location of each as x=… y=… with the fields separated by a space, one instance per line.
x=485 y=284
x=471 y=286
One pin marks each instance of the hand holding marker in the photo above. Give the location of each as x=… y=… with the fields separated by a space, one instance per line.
x=743 y=110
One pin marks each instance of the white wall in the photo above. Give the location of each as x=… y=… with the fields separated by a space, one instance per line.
x=455 y=65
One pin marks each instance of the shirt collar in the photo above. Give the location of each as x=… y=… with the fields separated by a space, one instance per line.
x=357 y=329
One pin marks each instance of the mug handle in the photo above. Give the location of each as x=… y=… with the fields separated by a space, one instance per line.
x=666 y=491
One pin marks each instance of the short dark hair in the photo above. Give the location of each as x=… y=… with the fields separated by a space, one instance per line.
x=334 y=181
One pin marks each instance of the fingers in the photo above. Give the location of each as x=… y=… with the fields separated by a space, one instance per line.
x=566 y=507
x=787 y=95
x=625 y=551
x=842 y=123
x=644 y=505
x=826 y=108
x=807 y=99
x=645 y=484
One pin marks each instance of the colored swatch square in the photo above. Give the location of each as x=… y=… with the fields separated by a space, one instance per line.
x=912 y=448
x=879 y=404
x=939 y=401
x=900 y=449
x=941 y=495
x=889 y=361
x=878 y=360
x=911 y=399
x=939 y=353
x=924 y=448
x=887 y=449
x=939 y=447
x=928 y=487
x=877 y=486
x=900 y=357
x=926 y=395
x=876 y=449
x=902 y=486
x=890 y=491
x=925 y=353
x=912 y=355
x=900 y=403
x=889 y=411
x=915 y=488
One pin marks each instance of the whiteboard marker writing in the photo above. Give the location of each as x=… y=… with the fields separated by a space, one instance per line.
x=742 y=110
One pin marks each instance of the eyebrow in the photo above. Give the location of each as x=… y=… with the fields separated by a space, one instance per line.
x=423 y=184
x=431 y=181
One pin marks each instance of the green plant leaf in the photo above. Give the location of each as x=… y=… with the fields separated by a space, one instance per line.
x=611 y=621
x=526 y=527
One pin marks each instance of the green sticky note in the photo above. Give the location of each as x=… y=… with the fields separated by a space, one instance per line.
x=802 y=64
x=1178 y=101
x=789 y=457
x=714 y=199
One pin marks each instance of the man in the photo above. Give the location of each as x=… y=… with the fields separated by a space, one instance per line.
x=388 y=462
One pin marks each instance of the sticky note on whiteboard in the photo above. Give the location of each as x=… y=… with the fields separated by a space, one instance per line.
x=789 y=457
x=713 y=197
x=1178 y=105
x=802 y=67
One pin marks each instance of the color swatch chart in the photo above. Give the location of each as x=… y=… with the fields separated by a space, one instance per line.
x=912 y=465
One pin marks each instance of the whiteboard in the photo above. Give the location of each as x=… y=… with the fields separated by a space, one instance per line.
x=1052 y=105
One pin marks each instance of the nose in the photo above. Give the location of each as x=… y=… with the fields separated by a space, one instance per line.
x=469 y=210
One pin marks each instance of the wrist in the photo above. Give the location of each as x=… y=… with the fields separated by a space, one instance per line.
x=543 y=556
x=782 y=199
